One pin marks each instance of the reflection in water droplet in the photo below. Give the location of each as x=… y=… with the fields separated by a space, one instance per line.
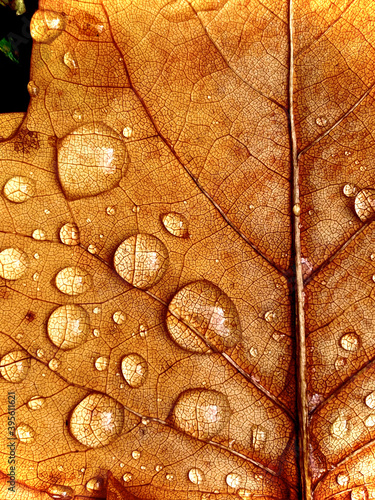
x=111 y=210
x=119 y=317
x=127 y=132
x=54 y=364
x=196 y=476
x=176 y=224
x=169 y=477
x=69 y=234
x=39 y=234
x=101 y=363
x=350 y=190
x=32 y=89
x=339 y=428
x=127 y=477
x=350 y=341
x=97 y=420
x=70 y=61
x=98 y=162
x=370 y=421
x=370 y=400
x=141 y=260
x=233 y=480
x=203 y=308
x=342 y=479
x=19 y=189
x=14 y=366
x=134 y=369
x=258 y=437
x=61 y=492
x=364 y=204
x=68 y=326
x=46 y=25
x=35 y=403
x=202 y=413
x=73 y=281
x=25 y=433
x=136 y=454
x=95 y=484
x=321 y=121
x=13 y=263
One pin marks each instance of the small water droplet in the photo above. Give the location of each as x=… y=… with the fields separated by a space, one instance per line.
x=68 y=326
x=127 y=477
x=145 y=421
x=364 y=204
x=253 y=352
x=46 y=25
x=269 y=316
x=342 y=479
x=36 y=256
x=176 y=224
x=321 y=121
x=14 y=366
x=297 y=209
x=88 y=24
x=69 y=234
x=40 y=353
x=54 y=364
x=47 y=211
x=340 y=362
x=35 y=403
x=251 y=207
x=233 y=480
x=19 y=189
x=370 y=400
x=39 y=234
x=96 y=332
x=92 y=249
x=127 y=132
x=95 y=484
x=96 y=310
x=370 y=421
x=136 y=209
x=32 y=89
x=25 y=433
x=13 y=263
x=350 y=341
x=61 y=492
x=339 y=428
x=258 y=437
x=141 y=260
x=143 y=331
x=350 y=190
x=169 y=477
x=77 y=115
x=97 y=420
x=111 y=210
x=372 y=256
x=101 y=363
x=70 y=61
x=136 y=454
x=196 y=476
x=158 y=468
x=359 y=493
x=119 y=317
x=134 y=369
x=73 y=281
x=373 y=277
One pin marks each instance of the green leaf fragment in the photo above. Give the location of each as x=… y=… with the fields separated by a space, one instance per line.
x=7 y=49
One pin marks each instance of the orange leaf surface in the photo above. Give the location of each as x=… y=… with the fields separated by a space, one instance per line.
x=186 y=253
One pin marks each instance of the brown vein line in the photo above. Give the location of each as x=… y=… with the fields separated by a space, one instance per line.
x=338 y=251
x=282 y=271
x=318 y=139
x=302 y=408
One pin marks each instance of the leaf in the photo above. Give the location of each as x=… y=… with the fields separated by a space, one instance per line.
x=7 y=49
x=186 y=253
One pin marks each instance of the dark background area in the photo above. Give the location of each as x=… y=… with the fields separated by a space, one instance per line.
x=15 y=76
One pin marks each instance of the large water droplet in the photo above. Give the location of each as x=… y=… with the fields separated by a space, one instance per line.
x=196 y=476
x=61 y=492
x=202 y=308
x=233 y=480
x=35 y=403
x=339 y=428
x=134 y=369
x=46 y=25
x=25 y=433
x=69 y=234
x=73 y=280
x=97 y=420
x=370 y=400
x=350 y=341
x=364 y=204
x=101 y=363
x=97 y=163
x=14 y=366
x=13 y=263
x=176 y=224
x=70 y=61
x=68 y=326
x=202 y=413
x=95 y=484
x=141 y=260
x=19 y=189
x=342 y=479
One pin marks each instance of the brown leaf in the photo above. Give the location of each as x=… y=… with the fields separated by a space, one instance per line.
x=186 y=253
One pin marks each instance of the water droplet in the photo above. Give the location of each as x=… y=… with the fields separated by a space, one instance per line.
x=339 y=428
x=269 y=316
x=54 y=364
x=342 y=479
x=169 y=477
x=176 y=224
x=136 y=209
x=127 y=477
x=359 y=493
x=68 y=326
x=143 y=467
x=69 y=234
x=350 y=341
x=98 y=162
x=61 y=492
x=370 y=400
x=46 y=25
x=36 y=256
x=364 y=204
x=321 y=121
x=233 y=480
x=372 y=256
x=196 y=476
x=141 y=260
x=73 y=281
x=340 y=362
x=77 y=115
x=95 y=484
x=258 y=437
x=251 y=207
x=32 y=89
x=145 y=421
x=96 y=332
x=134 y=369
x=13 y=263
x=350 y=190
x=87 y=24
x=97 y=420
x=201 y=309
x=297 y=209
x=127 y=132
x=25 y=433
x=136 y=454
x=70 y=61
x=92 y=249
x=202 y=413
x=111 y=210
x=143 y=331
x=14 y=366
x=158 y=468
x=101 y=363
x=19 y=189
x=40 y=353
x=35 y=403
x=253 y=351
x=46 y=211
x=373 y=277
x=36 y=276
x=119 y=317
x=370 y=421
x=39 y=234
